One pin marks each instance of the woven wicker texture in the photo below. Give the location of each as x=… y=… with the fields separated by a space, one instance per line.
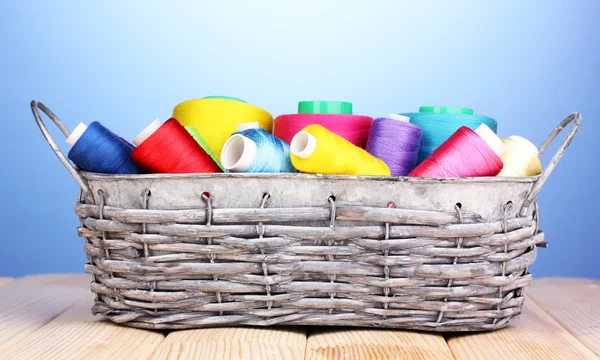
x=424 y=270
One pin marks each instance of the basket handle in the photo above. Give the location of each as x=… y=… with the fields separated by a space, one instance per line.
x=63 y=159
x=574 y=118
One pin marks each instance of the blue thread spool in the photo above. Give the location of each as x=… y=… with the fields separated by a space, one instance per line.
x=252 y=149
x=439 y=123
x=97 y=149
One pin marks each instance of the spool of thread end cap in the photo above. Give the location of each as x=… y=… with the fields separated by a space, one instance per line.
x=238 y=153
x=147 y=132
x=324 y=107
x=445 y=110
x=303 y=144
x=76 y=134
x=398 y=117
x=491 y=139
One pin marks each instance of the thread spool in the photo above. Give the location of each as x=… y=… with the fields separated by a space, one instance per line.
x=169 y=148
x=217 y=117
x=94 y=148
x=520 y=158
x=319 y=151
x=395 y=141
x=335 y=116
x=354 y=128
x=466 y=153
x=252 y=149
x=440 y=122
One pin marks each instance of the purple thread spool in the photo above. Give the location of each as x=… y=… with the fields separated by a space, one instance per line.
x=395 y=141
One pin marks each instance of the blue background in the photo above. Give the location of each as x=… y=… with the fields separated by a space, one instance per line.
x=527 y=64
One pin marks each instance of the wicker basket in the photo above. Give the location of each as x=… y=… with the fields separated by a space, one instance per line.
x=204 y=250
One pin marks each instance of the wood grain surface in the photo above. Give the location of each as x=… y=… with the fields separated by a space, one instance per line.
x=74 y=280
x=536 y=335
x=375 y=344
x=49 y=317
x=76 y=334
x=575 y=304
x=234 y=343
x=26 y=308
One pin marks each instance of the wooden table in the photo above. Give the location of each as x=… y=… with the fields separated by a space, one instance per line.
x=48 y=317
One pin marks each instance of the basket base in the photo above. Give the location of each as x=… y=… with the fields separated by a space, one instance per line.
x=183 y=321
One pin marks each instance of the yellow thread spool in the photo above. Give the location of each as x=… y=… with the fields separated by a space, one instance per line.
x=217 y=118
x=520 y=158
x=319 y=151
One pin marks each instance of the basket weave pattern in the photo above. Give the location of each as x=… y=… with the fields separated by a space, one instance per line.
x=426 y=270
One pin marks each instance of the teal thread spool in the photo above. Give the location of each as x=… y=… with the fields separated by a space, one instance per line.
x=440 y=122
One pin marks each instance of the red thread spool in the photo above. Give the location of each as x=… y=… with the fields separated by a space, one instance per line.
x=172 y=150
x=354 y=128
x=464 y=154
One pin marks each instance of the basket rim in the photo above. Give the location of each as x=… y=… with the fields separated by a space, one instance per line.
x=304 y=176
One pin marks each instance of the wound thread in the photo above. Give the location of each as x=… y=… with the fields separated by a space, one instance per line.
x=396 y=142
x=354 y=128
x=217 y=117
x=319 y=151
x=255 y=150
x=99 y=150
x=440 y=122
x=172 y=150
x=464 y=154
x=520 y=158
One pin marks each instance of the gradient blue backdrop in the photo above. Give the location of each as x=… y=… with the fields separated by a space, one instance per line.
x=528 y=64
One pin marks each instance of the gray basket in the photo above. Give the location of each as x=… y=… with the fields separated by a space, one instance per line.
x=204 y=250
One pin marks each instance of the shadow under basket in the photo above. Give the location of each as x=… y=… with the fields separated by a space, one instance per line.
x=206 y=250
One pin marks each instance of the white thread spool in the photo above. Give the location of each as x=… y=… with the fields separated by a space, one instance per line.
x=520 y=158
x=303 y=144
x=491 y=139
x=147 y=132
x=525 y=145
x=76 y=134
x=239 y=152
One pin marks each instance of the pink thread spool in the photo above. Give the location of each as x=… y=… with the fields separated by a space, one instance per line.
x=466 y=153
x=354 y=128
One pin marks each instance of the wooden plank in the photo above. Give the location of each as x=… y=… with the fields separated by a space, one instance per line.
x=234 y=343
x=77 y=334
x=375 y=344
x=5 y=280
x=574 y=303
x=26 y=308
x=75 y=280
x=536 y=335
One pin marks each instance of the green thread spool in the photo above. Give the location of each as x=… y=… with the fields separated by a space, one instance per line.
x=324 y=107
x=200 y=140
